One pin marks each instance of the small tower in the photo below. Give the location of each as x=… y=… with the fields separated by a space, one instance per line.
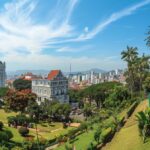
x=2 y=74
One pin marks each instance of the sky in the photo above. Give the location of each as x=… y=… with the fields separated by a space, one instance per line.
x=52 y=34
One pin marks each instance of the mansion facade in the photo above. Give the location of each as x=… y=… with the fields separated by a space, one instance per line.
x=54 y=87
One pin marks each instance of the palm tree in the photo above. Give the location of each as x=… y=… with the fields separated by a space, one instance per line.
x=144 y=123
x=143 y=66
x=138 y=68
x=148 y=38
x=130 y=56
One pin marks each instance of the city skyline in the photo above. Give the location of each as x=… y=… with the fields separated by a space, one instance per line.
x=54 y=34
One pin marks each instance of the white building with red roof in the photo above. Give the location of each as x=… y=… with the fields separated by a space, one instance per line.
x=54 y=87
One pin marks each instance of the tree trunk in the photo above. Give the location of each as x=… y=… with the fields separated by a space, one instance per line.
x=37 y=136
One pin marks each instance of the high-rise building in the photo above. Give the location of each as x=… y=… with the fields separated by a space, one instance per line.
x=2 y=74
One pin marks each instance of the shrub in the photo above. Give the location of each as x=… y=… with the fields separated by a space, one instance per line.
x=1 y=125
x=9 y=134
x=144 y=123
x=121 y=121
x=5 y=135
x=31 y=125
x=83 y=127
x=97 y=135
x=52 y=140
x=17 y=148
x=23 y=131
x=91 y=146
x=3 y=148
x=27 y=145
x=131 y=109
x=11 y=119
x=68 y=147
x=72 y=133
x=106 y=134
x=65 y=125
x=22 y=119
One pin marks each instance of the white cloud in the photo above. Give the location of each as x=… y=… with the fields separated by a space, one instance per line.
x=75 y=49
x=114 y=17
x=18 y=28
x=20 y=34
x=86 y=29
x=38 y=61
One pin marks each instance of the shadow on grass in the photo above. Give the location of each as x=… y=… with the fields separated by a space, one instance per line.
x=29 y=138
x=72 y=141
x=52 y=125
x=44 y=125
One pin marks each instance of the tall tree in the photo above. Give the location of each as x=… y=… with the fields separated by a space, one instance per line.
x=137 y=69
x=148 y=38
x=20 y=84
x=130 y=55
x=17 y=100
x=3 y=91
x=143 y=67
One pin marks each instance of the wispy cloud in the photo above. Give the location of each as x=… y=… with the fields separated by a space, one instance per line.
x=75 y=49
x=22 y=34
x=112 y=18
x=19 y=29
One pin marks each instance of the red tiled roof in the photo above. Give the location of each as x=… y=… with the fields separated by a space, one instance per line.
x=53 y=74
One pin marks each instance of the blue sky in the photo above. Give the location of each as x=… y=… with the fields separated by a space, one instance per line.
x=52 y=34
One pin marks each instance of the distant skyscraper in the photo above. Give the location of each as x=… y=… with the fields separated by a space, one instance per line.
x=2 y=74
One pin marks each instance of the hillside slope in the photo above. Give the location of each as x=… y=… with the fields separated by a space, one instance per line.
x=128 y=137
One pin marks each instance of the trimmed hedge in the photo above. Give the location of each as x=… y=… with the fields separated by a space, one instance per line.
x=131 y=109
x=5 y=135
x=106 y=135
x=121 y=121
x=1 y=125
x=23 y=131
x=92 y=146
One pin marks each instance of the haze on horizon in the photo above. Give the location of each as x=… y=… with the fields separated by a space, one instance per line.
x=54 y=34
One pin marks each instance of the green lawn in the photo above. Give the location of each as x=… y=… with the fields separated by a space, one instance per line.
x=45 y=130
x=42 y=134
x=4 y=115
x=52 y=131
x=17 y=137
x=81 y=142
x=128 y=137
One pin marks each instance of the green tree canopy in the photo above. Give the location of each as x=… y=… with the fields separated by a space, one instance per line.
x=3 y=91
x=20 y=84
x=18 y=101
x=148 y=38
x=137 y=69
